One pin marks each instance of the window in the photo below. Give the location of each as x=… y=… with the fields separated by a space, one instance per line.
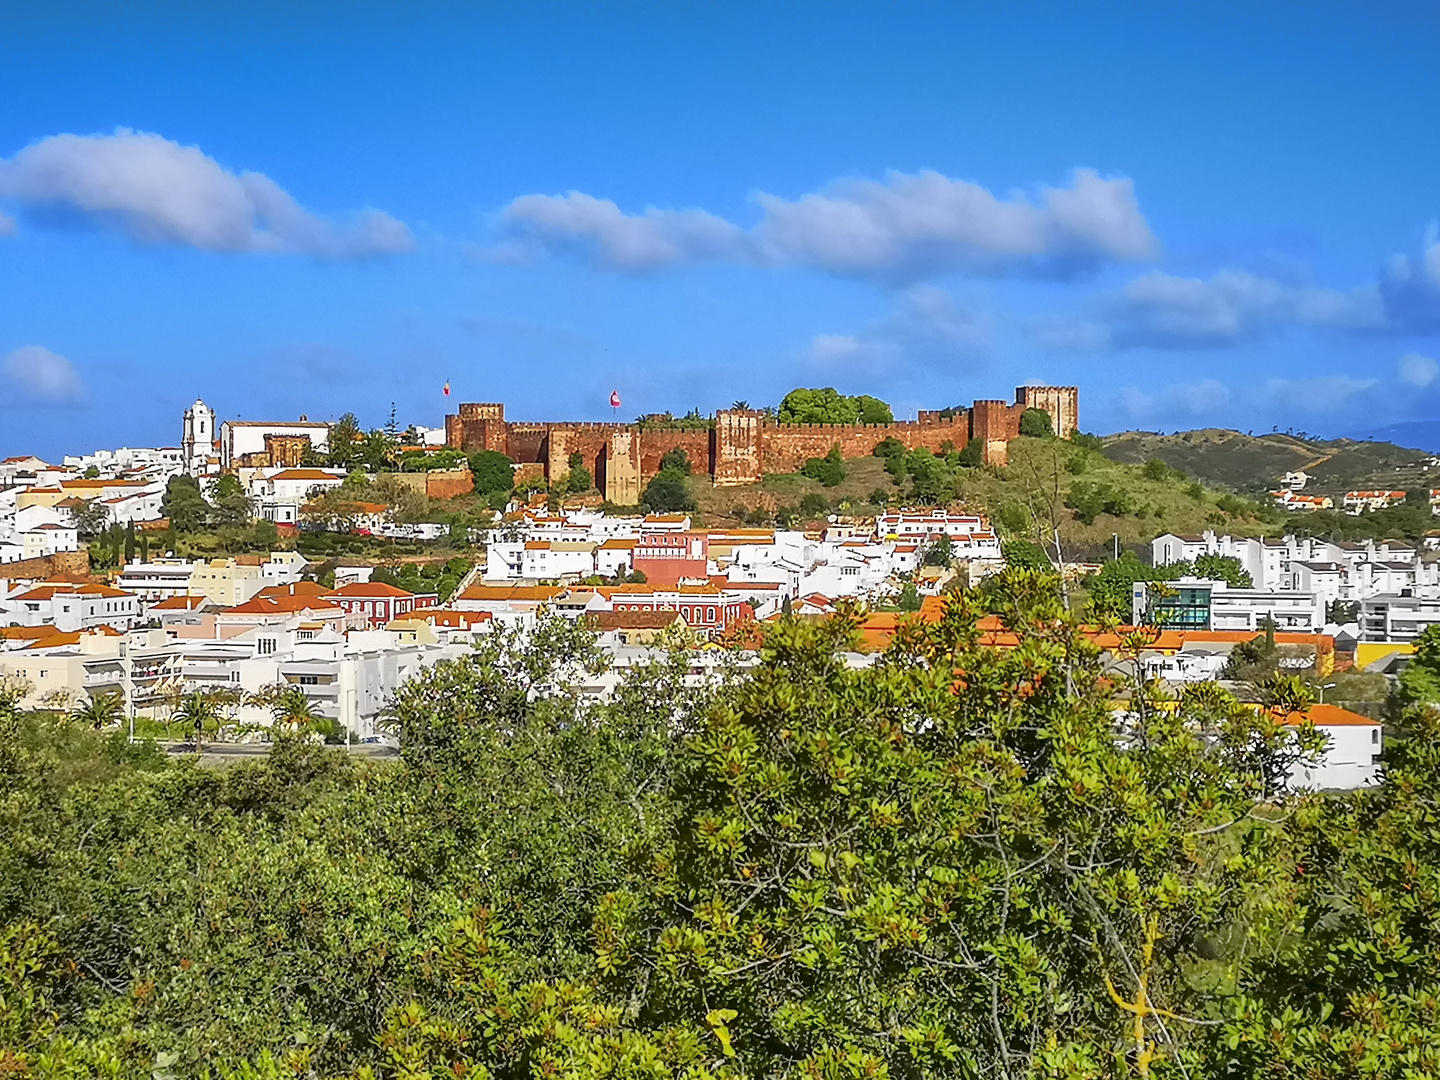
x=308 y=680
x=267 y=646
x=710 y=614
x=1375 y=735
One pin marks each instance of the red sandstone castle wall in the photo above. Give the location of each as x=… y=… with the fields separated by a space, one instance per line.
x=656 y=444
x=742 y=447
x=785 y=447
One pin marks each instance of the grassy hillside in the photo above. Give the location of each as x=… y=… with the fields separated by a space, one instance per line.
x=1026 y=499
x=1254 y=464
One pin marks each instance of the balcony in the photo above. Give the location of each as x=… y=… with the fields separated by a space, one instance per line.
x=324 y=691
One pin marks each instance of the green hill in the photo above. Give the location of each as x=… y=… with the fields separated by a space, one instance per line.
x=1254 y=463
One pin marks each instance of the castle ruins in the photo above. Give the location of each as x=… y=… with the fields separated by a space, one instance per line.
x=741 y=445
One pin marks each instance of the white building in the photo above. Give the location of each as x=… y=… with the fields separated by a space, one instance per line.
x=241 y=437
x=1339 y=571
x=277 y=494
x=197 y=439
x=1395 y=617
x=71 y=606
x=1202 y=604
x=1351 y=758
x=927 y=524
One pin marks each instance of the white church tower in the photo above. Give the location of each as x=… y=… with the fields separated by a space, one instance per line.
x=197 y=443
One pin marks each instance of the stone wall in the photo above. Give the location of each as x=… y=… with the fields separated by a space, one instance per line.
x=1061 y=402
x=738 y=448
x=785 y=447
x=449 y=483
x=619 y=477
x=698 y=447
x=61 y=564
x=742 y=447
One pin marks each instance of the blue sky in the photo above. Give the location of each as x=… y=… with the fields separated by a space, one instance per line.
x=1200 y=214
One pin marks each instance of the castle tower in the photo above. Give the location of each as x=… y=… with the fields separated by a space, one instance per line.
x=1061 y=402
x=737 y=453
x=197 y=440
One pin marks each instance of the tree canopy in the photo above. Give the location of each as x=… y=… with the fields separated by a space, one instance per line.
x=951 y=862
x=828 y=406
x=492 y=471
x=1036 y=423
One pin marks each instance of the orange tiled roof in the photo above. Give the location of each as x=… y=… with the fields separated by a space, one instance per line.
x=180 y=603
x=280 y=605
x=305 y=474
x=369 y=589
x=511 y=592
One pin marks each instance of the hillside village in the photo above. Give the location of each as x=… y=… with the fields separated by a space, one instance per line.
x=310 y=569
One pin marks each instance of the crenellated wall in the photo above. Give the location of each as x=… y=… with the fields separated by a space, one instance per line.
x=1061 y=402
x=743 y=446
x=785 y=447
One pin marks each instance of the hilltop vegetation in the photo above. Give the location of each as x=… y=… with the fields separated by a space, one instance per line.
x=1254 y=464
x=1049 y=484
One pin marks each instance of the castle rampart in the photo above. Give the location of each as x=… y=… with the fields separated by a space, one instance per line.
x=742 y=445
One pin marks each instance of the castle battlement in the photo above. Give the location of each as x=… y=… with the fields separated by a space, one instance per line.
x=740 y=445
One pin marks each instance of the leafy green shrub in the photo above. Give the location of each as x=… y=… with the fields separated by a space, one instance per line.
x=1090 y=500
x=677 y=460
x=1036 y=424
x=668 y=493
x=829 y=470
x=1025 y=555
x=492 y=472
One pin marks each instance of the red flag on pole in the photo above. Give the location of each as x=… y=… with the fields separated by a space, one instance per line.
x=446 y=389
x=614 y=399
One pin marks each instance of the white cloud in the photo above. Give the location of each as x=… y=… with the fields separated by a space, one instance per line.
x=622 y=241
x=1213 y=401
x=1188 y=400
x=1418 y=370
x=161 y=192
x=1163 y=311
x=903 y=228
x=1411 y=288
x=1320 y=394
x=41 y=377
x=926 y=327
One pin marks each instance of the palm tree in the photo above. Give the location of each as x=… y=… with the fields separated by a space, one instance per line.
x=740 y=406
x=197 y=710
x=99 y=711
x=291 y=706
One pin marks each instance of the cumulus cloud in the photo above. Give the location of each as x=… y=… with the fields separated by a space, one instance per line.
x=160 y=192
x=1417 y=370
x=901 y=229
x=620 y=241
x=1163 y=311
x=1187 y=400
x=926 y=327
x=1211 y=400
x=36 y=376
x=1318 y=394
x=1410 y=287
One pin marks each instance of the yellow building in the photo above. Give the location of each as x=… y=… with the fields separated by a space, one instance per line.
x=227 y=582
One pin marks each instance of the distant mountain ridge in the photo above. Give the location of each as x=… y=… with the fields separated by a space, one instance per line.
x=1422 y=434
x=1255 y=463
